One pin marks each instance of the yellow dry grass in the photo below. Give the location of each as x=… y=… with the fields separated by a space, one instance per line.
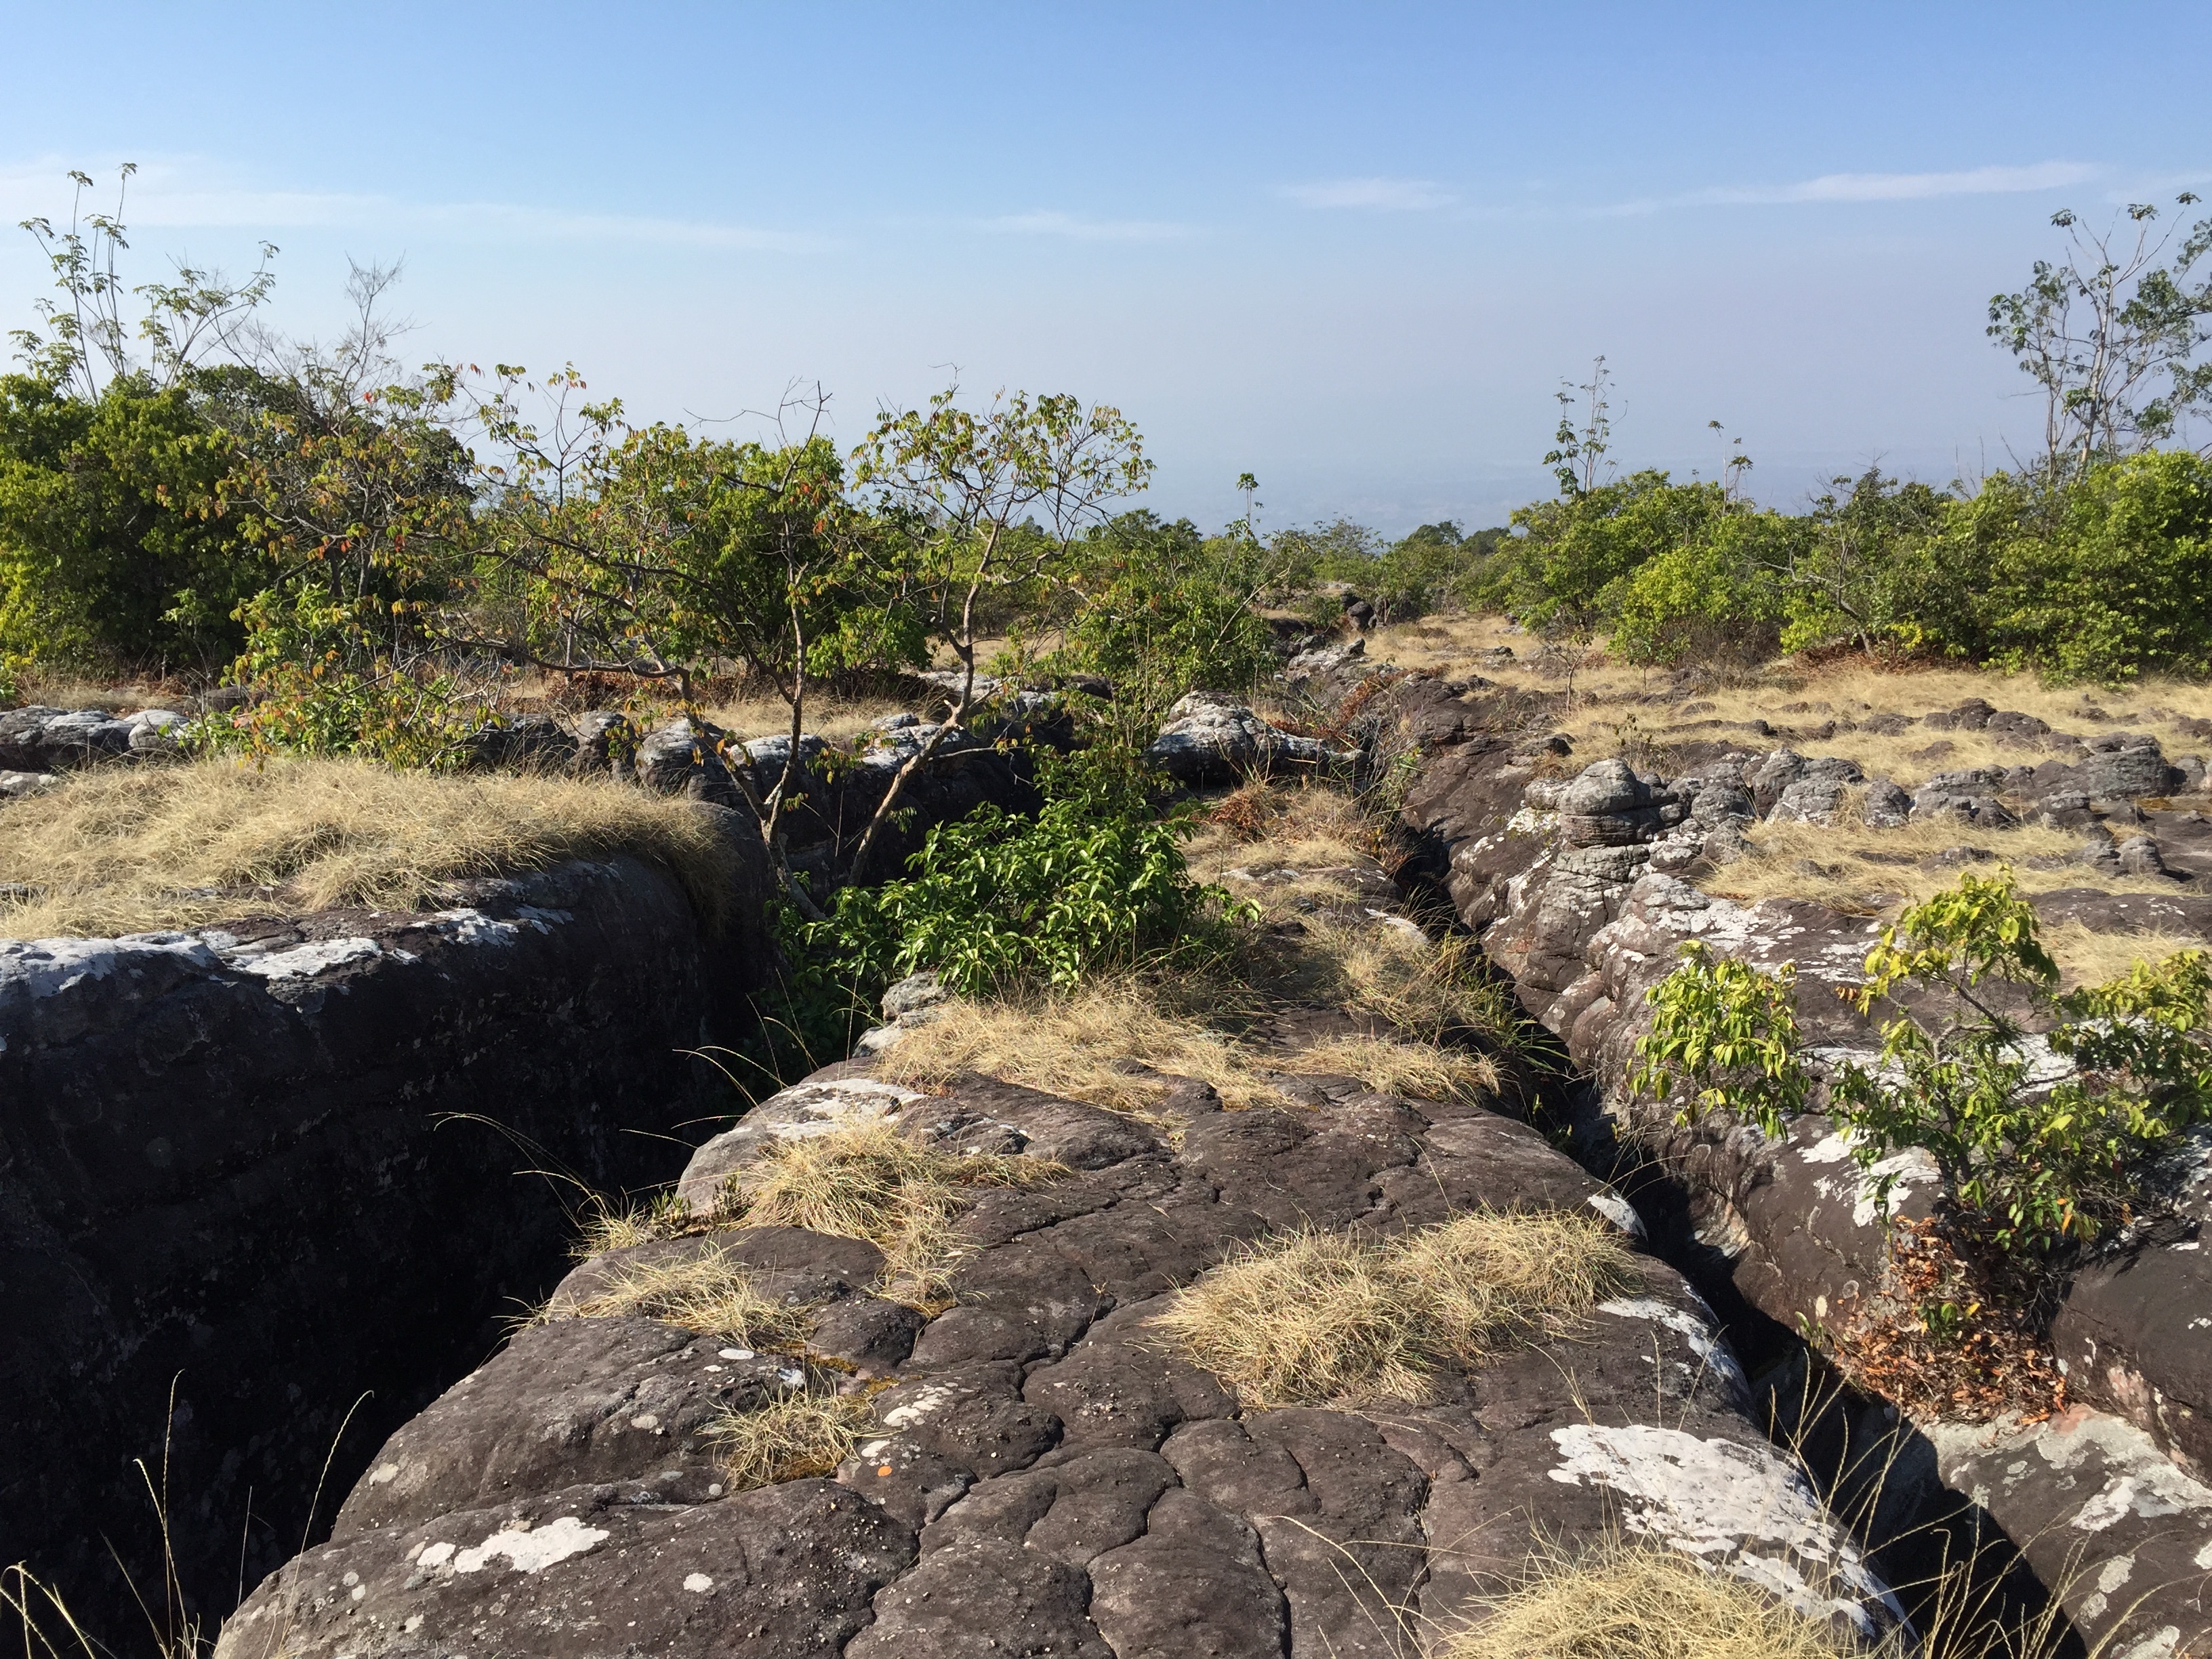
x=1850 y=867
x=788 y=1439
x=1610 y=715
x=831 y=718
x=65 y=691
x=1081 y=1046
x=865 y=1181
x=1316 y=1317
x=2085 y=956
x=711 y=1293
x=1309 y=847
x=1644 y=1601
x=1265 y=827
x=1107 y=1041
x=1419 y=1071
x=117 y=850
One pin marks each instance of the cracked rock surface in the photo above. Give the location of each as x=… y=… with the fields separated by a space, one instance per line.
x=1039 y=1472
x=1577 y=887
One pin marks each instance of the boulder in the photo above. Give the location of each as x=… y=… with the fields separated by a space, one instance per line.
x=1210 y=739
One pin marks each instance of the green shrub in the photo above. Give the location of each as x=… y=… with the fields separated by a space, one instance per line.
x=1096 y=878
x=2024 y=1168
x=1164 y=610
x=2108 y=578
x=1570 y=567
x=112 y=554
x=2029 y=1172
x=1727 y=1030
x=1717 y=597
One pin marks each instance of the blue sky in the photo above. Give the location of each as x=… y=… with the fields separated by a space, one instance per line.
x=1353 y=250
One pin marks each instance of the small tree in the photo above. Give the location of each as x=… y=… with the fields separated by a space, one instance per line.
x=2097 y=332
x=86 y=332
x=2029 y=1161
x=985 y=505
x=649 y=552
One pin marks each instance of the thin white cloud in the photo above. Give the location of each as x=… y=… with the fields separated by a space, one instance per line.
x=1076 y=227
x=1388 y=195
x=168 y=196
x=1876 y=187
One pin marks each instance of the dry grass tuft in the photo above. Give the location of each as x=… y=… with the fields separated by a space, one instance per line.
x=710 y=1293
x=1107 y=1043
x=1419 y=1071
x=1317 y=1316
x=2086 y=957
x=1268 y=826
x=1846 y=866
x=788 y=1439
x=1631 y=1601
x=1077 y=1046
x=117 y=851
x=834 y=719
x=1425 y=987
x=866 y=1181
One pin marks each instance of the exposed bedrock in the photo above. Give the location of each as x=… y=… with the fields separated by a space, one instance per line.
x=1579 y=881
x=284 y=1166
x=1040 y=1472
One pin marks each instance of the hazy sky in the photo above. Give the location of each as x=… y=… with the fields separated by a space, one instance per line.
x=1351 y=249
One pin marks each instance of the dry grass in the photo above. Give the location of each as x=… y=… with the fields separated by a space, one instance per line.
x=1309 y=846
x=830 y=718
x=1425 y=987
x=866 y=1181
x=1107 y=1042
x=1643 y=1601
x=1318 y=1316
x=1079 y=1046
x=2086 y=957
x=789 y=1440
x=117 y=851
x=1419 y=1071
x=710 y=1293
x=1610 y=715
x=1856 y=690
x=125 y=696
x=1846 y=866
x=1264 y=827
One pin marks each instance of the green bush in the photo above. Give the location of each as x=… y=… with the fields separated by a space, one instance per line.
x=1164 y=610
x=112 y=553
x=1436 y=565
x=1570 y=568
x=2025 y=1168
x=1097 y=880
x=1717 y=597
x=2107 y=578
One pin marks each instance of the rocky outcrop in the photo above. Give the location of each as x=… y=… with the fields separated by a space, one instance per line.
x=281 y=1165
x=1040 y=1472
x=1209 y=739
x=36 y=739
x=1575 y=884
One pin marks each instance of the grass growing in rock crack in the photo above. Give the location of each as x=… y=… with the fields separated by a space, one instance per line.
x=861 y=1181
x=1629 y=1602
x=1106 y=1041
x=788 y=1439
x=119 y=850
x=711 y=1293
x=1327 y=1317
x=866 y=1181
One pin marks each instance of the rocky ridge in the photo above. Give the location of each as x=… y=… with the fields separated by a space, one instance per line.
x=1039 y=1472
x=1583 y=881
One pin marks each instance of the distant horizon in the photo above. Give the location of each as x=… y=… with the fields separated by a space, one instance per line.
x=1354 y=253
